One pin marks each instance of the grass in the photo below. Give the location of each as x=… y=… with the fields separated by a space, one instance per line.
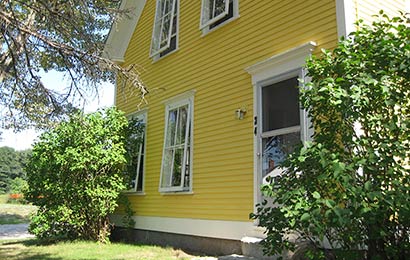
x=14 y=213
x=31 y=249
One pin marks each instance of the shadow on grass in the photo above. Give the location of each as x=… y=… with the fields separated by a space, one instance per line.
x=6 y=218
x=8 y=251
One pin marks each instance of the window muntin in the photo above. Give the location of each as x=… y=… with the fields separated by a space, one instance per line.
x=176 y=160
x=281 y=124
x=137 y=156
x=165 y=32
x=216 y=12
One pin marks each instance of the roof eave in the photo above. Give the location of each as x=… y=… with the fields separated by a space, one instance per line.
x=121 y=31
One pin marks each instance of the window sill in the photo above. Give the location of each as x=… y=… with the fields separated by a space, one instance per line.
x=134 y=193
x=173 y=193
x=156 y=58
x=207 y=31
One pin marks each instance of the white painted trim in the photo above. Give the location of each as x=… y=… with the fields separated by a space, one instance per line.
x=203 y=23
x=222 y=229
x=205 y=30
x=281 y=63
x=345 y=17
x=121 y=32
x=155 y=55
x=186 y=98
x=179 y=97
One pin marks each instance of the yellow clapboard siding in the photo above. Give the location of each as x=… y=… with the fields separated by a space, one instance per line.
x=367 y=9
x=214 y=66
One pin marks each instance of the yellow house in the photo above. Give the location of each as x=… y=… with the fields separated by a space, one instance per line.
x=223 y=106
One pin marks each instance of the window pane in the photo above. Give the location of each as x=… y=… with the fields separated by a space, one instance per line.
x=165 y=21
x=275 y=149
x=178 y=160
x=182 y=121
x=172 y=121
x=166 y=170
x=280 y=105
x=140 y=173
x=217 y=7
x=166 y=26
x=187 y=166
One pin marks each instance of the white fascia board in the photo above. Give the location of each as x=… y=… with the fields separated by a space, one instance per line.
x=281 y=63
x=121 y=31
x=345 y=17
x=223 y=229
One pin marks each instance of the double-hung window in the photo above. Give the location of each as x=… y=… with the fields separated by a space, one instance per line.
x=176 y=172
x=217 y=12
x=165 y=31
x=136 y=152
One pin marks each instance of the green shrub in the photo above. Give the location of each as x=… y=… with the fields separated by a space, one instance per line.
x=76 y=174
x=351 y=184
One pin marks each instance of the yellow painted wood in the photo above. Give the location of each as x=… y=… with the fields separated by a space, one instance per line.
x=213 y=65
x=367 y=9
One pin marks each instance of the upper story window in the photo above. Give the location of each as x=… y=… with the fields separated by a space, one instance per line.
x=217 y=12
x=176 y=172
x=165 y=31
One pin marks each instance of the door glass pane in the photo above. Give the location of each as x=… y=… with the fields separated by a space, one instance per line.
x=275 y=149
x=280 y=105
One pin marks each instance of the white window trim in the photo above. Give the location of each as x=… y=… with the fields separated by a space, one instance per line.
x=275 y=69
x=175 y=102
x=205 y=27
x=144 y=115
x=156 y=54
x=345 y=17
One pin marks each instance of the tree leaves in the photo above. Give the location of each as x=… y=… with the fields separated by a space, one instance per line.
x=66 y=36
x=76 y=174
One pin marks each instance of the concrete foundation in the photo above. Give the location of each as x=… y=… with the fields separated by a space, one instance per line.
x=193 y=244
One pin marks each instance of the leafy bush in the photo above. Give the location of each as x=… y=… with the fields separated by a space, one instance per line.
x=76 y=174
x=18 y=186
x=350 y=187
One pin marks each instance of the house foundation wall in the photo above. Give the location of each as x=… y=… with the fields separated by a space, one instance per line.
x=193 y=244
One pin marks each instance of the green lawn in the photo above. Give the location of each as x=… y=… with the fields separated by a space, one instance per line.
x=30 y=249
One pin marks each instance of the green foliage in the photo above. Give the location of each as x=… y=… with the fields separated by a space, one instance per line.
x=351 y=185
x=76 y=175
x=18 y=185
x=12 y=164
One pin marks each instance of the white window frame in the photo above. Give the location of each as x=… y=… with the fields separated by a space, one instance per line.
x=142 y=115
x=180 y=101
x=205 y=23
x=155 y=51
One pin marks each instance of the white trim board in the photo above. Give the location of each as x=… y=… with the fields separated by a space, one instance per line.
x=121 y=32
x=221 y=229
x=280 y=63
x=345 y=17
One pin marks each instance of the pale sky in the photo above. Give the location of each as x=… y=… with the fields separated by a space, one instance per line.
x=24 y=140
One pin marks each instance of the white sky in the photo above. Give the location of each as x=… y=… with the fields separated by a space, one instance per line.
x=24 y=140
